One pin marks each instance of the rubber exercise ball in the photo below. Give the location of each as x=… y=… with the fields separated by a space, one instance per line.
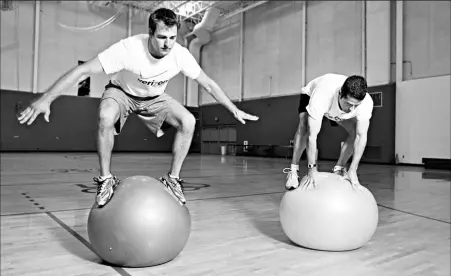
x=333 y=216
x=142 y=225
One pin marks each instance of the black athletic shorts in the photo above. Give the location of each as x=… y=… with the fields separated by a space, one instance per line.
x=304 y=100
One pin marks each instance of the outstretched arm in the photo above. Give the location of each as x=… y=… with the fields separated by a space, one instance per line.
x=215 y=90
x=42 y=104
x=73 y=76
x=362 y=127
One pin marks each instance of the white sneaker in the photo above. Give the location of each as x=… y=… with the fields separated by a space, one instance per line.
x=292 y=179
x=340 y=170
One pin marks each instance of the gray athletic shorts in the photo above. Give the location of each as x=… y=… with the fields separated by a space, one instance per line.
x=151 y=110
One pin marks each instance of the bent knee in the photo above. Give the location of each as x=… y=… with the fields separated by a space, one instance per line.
x=108 y=113
x=188 y=123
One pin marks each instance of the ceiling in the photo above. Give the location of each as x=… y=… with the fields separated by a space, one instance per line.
x=189 y=10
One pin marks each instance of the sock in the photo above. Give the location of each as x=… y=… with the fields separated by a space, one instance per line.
x=105 y=177
x=338 y=168
x=294 y=167
x=173 y=176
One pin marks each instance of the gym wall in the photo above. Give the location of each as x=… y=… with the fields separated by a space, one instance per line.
x=278 y=122
x=271 y=64
x=63 y=41
x=73 y=128
x=73 y=119
x=424 y=85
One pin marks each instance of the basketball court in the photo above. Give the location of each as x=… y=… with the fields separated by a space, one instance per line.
x=234 y=203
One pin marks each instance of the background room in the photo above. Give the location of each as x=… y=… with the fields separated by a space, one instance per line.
x=261 y=53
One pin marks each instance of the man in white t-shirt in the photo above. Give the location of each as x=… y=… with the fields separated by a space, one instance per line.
x=140 y=67
x=341 y=99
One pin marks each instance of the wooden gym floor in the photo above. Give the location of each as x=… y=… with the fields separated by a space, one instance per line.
x=46 y=198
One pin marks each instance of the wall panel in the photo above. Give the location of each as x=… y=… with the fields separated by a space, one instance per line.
x=61 y=48
x=16 y=38
x=427 y=39
x=334 y=38
x=272 y=49
x=221 y=61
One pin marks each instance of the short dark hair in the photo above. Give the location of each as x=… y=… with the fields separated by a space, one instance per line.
x=354 y=86
x=167 y=16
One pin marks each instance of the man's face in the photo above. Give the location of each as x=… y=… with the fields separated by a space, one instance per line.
x=163 y=39
x=349 y=103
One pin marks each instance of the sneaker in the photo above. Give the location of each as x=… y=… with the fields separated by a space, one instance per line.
x=105 y=189
x=181 y=181
x=340 y=170
x=174 y=186
x=292 y=179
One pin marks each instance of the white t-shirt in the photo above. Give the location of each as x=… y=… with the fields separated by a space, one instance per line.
x=138 y=72
x=324 y=93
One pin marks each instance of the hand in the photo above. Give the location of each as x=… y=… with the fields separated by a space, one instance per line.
x=309 y=179
x=351 y=176
x=241 y=116
x=31 y=112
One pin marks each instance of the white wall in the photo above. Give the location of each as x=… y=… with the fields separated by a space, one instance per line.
x=60 y=49
x=273 y=38
x=334 y=38
x=423 y=82
x=221 y=59
x=423 y=119
x=272 y=55
x=272 y=51
x=16 y=55
x=426 y=35
x=378 y=46
x=272 y=63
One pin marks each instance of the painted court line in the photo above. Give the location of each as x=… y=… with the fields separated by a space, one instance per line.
x=86 y=183
x=225 y=197
x=119 y=270
x=274 y=193
x=43 y=183
x=413 y=214
x=42 y=212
